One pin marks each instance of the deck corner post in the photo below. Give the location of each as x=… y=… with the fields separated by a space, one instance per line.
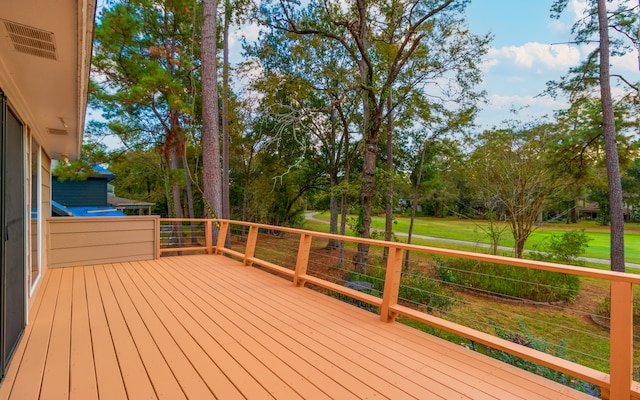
x=621 y=340
x=391 y=284
x=222 y=236
x=158 y=245
x=208 y=236
x=302 y=262
x=250 y=248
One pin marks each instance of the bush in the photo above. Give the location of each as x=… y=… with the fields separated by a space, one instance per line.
x=565 y=248
x=509 y=281
x=604 y=309
x=415 y=287
x=525 y=338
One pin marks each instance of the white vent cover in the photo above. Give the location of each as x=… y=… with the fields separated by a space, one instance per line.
x=32 y=41
x=53 y=131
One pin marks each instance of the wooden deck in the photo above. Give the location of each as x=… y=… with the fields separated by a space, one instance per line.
x=204 y=327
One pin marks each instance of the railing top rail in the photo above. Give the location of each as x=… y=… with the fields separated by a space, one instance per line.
x=540 y=265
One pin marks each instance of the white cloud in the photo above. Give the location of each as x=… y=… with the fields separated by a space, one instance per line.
x=249 y=32
x=488 y=64
x=501 y=102
x=628 y=62
x=578 y=8
x=533 y=54
x=558 y=27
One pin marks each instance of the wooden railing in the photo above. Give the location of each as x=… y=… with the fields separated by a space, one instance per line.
x=618 y=384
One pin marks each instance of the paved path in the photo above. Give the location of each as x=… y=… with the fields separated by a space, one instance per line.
x=311 y=217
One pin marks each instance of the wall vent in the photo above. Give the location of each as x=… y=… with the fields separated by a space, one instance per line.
x=32 y=41
x=53 y=131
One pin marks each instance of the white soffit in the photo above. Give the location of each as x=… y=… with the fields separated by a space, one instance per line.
x=44 y=56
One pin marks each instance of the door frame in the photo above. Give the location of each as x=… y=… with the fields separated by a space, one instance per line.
x=5 y=109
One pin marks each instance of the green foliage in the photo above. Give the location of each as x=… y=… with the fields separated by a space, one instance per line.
x=415 y=287
x=76 y=170
x=355 y=224
x=604 y=309
x=508 y=281
x=564 y=248
x=512 y=173
x=527 y=339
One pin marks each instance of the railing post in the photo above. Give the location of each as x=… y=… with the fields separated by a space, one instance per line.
x=304 y=248
x=157 y=252
x=621 y=340
x=391 y=284
x=222 y=236
x=250 y=248
x=208 y=236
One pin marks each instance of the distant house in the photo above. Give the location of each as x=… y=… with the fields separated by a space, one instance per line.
x=93 y=197
x=590 y=210
x=586 y=209
x=86 y=198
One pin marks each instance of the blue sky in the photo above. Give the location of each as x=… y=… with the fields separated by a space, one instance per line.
x=529 y=49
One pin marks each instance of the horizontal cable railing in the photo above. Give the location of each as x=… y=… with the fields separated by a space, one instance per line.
x=581 y=333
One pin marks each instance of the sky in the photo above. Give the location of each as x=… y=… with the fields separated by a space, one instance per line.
x=528 y=50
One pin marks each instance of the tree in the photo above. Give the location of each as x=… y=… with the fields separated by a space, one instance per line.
x=596 y=70
x=384 y=41
x=433 y=163
x=142 y=78
x=513 y=170
x=232 y=11
x=211 y=169
x=631 y=186
x=138 y=175
x=580 y=149
x=316 y=100
x=611 y=145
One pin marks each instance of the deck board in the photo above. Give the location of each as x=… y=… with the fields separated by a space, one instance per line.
x=55 y=381
x=379 y=359
x=82 y=377
x=377 y=370
x=207 y=327
x=110 y=384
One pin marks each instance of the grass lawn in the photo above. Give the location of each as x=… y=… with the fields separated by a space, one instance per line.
x=471 y=231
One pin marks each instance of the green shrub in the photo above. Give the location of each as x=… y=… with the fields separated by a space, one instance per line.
x=527 y=339
x=604 y=309
x=415 y=287
x=565 y=248
x=508 y=281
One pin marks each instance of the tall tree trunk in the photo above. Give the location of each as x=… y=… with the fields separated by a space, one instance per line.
x=189 y=190
x=210 y=134
x=388 y=226
x=175 y=184
x=174 y=167
x=367 y=191
x=333 y=178
x=164 y=165
x=414 y=205
x=333 y=210
x=226 y=207
x=344 y=199
x=371 y=128
x=611 y=145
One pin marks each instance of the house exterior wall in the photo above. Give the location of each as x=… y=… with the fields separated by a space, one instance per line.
x=89 y=241
x=91 y=192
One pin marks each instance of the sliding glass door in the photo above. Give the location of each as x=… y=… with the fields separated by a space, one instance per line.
x=12 y=219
